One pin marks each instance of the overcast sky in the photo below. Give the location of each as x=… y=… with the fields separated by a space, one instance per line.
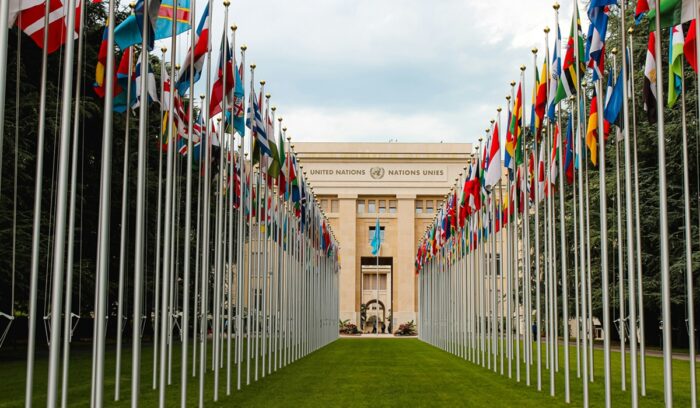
x=374 y=70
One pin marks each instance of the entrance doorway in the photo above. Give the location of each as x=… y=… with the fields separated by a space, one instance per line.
x=376 y=281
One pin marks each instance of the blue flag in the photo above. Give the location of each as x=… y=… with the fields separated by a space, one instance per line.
x=129 y=32
x=376 y=239
x=164 y=25
x=614 y=105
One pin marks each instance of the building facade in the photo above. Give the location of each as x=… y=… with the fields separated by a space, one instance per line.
x=401 y=185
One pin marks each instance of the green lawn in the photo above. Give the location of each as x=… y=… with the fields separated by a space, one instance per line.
x=352 y=372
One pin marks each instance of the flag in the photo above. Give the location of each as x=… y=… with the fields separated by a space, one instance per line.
x=201 y=47
x=533 y=110
x=595 y=44
x=672 y=13
x=613 y=104
x=17 y=6
x=166 y=15
x=516 y=127
x=274 y=165
x=475 y=188
x=531 y=175
x=555 y=76
x=510 y=145
x=101 y=66
x=649 y=88
x=261 y=146
x=238 y=98
x=151 y=88
x=217 y=91
x=690 y=47
x=284 y=174
x=569 y=146
x=554 y=158
x=592 y=133
x=130 y=31
x=675 y=72
x=463 y=208
x=293 y=180
x=30 y=16
x=124 y=79
x=641 y=9
x=493 y=172
x=541 y=100
x=568 y=84
x=540 y=175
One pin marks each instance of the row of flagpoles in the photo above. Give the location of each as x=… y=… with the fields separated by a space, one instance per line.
x=496 y=277
x=257 y=279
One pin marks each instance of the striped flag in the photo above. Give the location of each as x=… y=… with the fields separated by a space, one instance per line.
x=649 y=88
x=31 y=21
x=568 y=83
x=201 y=47
x=555 y=75
x=675 y=71
x=595 y=45
x=493 y=171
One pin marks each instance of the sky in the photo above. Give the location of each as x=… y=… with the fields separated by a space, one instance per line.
x=380 y=70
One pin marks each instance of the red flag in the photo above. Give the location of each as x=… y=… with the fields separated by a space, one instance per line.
x=690 y=47
x=31 y=22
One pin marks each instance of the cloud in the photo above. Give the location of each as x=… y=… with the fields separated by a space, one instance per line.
x=361 y=70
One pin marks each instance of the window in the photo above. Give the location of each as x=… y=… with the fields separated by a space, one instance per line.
x=360 y=206
x=429 y=206
x=324 y=205
x=334 y=206
x=419 y=206
x=382 y=206
x=371 y=206
x=392 y=206
x=371 y=233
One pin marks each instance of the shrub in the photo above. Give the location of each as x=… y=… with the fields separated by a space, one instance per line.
x=345 y=327
x=407 y=329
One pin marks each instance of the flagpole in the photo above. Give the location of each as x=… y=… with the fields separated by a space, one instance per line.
x=188 y=212
x=266 y=242
x=250 y=229
x=637 y=229
x=4 y=36
x=68 y=308
x=526 y=234
x=140 y=233
x=220 y=215
x=663 y=221
x=198 y=255
x=537 y=237
x=156 y=317
x=604 y=246
x=516 y=251
x=36 y=223
x=230 y=244
x=620 y=264
x=61 y=204
x=582 y=253
x=165 y=312
x=688 y=251
x=502 y=230
x=512 y=254
x=242 y=228
x=123 y=229
x=629 y=227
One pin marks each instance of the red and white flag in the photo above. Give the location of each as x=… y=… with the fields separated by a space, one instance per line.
x=29 y=15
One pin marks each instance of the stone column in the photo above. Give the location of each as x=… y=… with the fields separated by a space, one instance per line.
x=347 y=235
x=404 y=281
